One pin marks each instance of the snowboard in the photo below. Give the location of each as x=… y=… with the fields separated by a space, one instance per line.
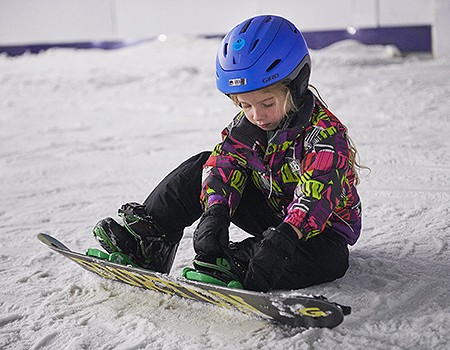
x=292 y=310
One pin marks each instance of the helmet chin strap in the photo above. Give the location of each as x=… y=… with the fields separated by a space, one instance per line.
x=299 y=84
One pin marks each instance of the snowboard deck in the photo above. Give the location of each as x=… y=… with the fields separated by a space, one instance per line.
x=292 y=310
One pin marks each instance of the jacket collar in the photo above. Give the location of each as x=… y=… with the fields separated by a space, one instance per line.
x=295 y=122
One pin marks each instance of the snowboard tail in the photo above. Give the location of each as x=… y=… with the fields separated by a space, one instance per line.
x=295 y=311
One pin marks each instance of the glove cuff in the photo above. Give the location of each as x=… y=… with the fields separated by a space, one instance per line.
x=218 y=210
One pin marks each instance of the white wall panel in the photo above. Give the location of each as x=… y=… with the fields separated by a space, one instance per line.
x=405 y=12
x=47 y=21
x=312 y=15
x=25 y=21
x=144 y=18
x=365 y=13
x=441 y=28
x=324 y=14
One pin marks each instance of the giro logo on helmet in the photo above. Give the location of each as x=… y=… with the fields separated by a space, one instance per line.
x=272 y=77
x=239 y=44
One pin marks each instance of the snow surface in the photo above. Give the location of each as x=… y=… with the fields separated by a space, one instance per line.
x=84 y=131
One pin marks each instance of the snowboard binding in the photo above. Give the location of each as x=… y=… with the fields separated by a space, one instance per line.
x=116 y=257
x=217 y=271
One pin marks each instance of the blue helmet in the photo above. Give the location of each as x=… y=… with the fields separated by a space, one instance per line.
x=262 y=51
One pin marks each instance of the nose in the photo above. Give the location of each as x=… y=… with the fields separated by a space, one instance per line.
x=258 y=116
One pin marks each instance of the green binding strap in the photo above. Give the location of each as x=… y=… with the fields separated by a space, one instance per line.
x=116 y=257
x=194 y=275
x=97 y=253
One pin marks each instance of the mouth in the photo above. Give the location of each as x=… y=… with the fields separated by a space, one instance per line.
x=266 y=126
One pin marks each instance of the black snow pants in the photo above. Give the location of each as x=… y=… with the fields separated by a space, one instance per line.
x=175 y=205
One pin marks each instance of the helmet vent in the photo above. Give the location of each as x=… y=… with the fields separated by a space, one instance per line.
x=254 y=45
x=273 y=65
x=225 y=49
x=244 y=29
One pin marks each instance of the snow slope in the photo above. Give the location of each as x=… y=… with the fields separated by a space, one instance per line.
x=84 y=131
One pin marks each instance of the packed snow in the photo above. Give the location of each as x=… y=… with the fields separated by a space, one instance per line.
x=84 y=131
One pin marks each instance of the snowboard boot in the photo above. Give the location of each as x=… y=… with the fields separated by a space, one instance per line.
x=139 y=238
x=219 y=271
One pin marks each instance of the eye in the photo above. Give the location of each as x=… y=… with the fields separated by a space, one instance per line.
x=268 y=105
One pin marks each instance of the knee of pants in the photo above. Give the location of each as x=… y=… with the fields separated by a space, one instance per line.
x=338 y=270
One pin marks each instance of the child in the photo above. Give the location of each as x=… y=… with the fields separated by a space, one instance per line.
x=284 y=173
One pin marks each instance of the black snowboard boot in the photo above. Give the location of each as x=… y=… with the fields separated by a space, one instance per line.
x=140 y=238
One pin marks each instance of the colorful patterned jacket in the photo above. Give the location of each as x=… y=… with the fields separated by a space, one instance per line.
x=303 y=169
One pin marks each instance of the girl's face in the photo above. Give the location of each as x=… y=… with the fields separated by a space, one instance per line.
x=263 y=109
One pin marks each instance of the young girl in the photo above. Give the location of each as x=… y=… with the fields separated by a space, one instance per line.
x=284 y=173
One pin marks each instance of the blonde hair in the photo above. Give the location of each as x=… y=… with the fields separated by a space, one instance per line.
x=353 y=158
x=353 y=155
x=282 y=88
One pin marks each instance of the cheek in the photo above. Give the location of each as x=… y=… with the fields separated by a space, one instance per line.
x=278 y=115
x=249 y=115
x=252 y=120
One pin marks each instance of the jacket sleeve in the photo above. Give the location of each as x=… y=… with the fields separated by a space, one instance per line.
x=223 y=180
x=323 y=179
x=226 y=171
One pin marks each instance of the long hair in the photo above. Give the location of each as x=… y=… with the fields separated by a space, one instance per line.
x=353 y=155
x=282 y=87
